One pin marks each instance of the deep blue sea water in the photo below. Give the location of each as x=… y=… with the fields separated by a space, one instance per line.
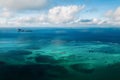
x=78 y=34
x=60 y=54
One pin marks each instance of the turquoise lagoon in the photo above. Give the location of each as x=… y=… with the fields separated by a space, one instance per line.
x=60 y=54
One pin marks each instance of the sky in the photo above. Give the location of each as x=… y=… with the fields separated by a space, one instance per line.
x=59 y=13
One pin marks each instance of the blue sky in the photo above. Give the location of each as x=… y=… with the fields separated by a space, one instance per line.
x=57 y=13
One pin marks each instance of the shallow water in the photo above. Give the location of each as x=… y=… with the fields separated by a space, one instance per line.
x=60 y=54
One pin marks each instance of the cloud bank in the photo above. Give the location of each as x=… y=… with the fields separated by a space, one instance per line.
x=55 y=16
x=35 y=13
x=22 y=4
x=113 y=16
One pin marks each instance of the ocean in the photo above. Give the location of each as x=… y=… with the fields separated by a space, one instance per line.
x=60 y=53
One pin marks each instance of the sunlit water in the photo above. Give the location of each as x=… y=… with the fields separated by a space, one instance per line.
x=60 y=54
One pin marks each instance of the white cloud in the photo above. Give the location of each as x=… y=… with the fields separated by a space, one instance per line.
x=55 y=16
x=22 y=4
x=64 y=14
x=113 y=16
x=27 y=21
x=5 y=13
x=58 y=16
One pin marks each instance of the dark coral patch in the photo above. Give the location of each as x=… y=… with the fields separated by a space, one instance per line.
x=15 y=54
x=31 y=72
x=33 y=47
x=82 y=68
x=2 y=62
x=44 y=59
x=19 y=52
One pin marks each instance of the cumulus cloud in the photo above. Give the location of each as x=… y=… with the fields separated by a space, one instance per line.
x=5 y=13
x=22 y=4
x=56 y=15
x=13 y=13
x=113 y=16
x=63 y=14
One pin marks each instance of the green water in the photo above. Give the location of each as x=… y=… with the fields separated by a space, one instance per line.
x=49 y=55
